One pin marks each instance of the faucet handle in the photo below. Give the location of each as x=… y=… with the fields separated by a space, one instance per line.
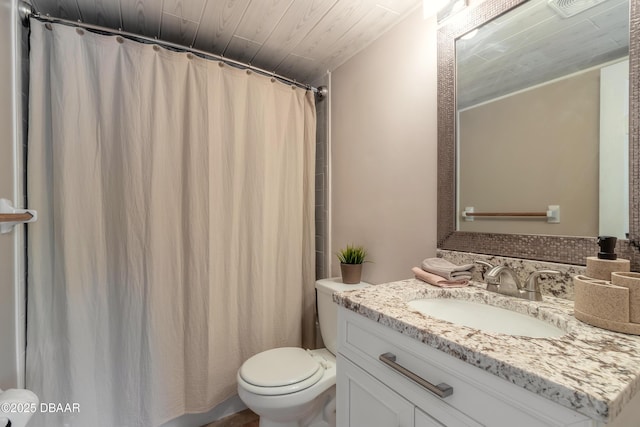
x=532 y=284
x=485 y=263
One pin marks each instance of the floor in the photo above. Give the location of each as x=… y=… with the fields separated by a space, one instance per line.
x=245 y=418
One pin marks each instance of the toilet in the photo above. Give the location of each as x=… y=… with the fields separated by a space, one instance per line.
x=294 y=387
x=16 y=407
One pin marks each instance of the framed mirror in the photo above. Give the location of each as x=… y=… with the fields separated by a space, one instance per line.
x=481 y=85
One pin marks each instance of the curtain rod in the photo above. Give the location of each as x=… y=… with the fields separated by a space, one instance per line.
x=27 y=11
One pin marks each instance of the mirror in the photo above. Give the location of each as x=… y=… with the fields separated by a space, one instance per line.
x=539 y=245
x=542 y=108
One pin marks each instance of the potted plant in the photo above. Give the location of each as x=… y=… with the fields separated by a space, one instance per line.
x=351 y=259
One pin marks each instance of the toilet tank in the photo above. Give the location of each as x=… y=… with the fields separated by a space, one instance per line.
x=328 y=310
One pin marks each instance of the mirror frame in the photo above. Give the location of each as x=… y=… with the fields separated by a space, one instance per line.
x=563 y=249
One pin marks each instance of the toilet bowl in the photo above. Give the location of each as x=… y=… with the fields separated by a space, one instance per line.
x=293 y=387
x=17 y=406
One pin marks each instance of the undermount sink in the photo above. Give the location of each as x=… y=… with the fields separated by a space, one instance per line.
x=485 y=317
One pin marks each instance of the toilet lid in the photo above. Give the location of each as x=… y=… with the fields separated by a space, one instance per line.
x=280 y=367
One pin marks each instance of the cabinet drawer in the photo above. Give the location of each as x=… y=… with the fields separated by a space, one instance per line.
x=478 y=398
x=365 y=401
x=424 y=420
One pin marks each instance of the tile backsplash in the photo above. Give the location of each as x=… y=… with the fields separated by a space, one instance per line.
x=560 y=286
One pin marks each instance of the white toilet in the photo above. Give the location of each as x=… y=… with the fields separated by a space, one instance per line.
x=293 y=387
x=17 y=406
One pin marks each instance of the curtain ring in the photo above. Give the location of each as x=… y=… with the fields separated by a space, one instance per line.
x=189 y=56
x=119 y=39
x=80 y=31
x=156 y=48
x=220 y=64
x=248 y=72
x=48 y=26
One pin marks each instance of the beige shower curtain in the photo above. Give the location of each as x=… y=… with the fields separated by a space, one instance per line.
x=176 y=226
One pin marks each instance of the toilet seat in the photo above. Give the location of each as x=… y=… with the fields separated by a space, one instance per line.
x=280 y=371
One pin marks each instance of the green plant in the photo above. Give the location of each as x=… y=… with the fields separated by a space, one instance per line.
x=352 y=255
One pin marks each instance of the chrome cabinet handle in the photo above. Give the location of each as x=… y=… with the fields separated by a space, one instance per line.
x=441 y=390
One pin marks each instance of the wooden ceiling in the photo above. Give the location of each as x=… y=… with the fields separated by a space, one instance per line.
x=299 y=39
x=532 y=44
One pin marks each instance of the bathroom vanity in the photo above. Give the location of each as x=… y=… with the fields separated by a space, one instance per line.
x=389 y=355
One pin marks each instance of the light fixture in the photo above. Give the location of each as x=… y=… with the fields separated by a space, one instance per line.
x=432 y=7
x=471 y=34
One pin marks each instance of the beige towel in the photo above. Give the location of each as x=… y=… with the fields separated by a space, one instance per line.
x=436 y=280
x=446 y=269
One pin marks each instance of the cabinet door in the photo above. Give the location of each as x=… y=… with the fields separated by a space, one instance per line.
x=424 y=420
x=365 y=401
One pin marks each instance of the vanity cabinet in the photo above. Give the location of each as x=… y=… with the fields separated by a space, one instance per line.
x=371 y=393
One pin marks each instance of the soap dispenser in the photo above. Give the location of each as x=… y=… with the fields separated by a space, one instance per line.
x=607 y=247
x=601 y=266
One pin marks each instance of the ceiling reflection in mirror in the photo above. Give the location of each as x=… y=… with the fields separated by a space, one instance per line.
x=542 y=119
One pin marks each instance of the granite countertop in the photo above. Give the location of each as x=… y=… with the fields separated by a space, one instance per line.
x=590 y=370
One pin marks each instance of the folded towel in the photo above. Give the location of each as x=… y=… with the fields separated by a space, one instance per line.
x=446 y=269
x=436 y=280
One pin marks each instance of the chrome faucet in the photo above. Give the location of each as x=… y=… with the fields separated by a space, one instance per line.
x=505 y=281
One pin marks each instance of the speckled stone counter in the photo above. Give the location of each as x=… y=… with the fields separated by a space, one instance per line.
x=590 y=370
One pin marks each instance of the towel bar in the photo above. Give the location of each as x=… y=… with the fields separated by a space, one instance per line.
x=552 y=214
x=24 y=217
x=10 y=217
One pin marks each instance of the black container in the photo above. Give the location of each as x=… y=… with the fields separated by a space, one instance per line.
x=607 y=247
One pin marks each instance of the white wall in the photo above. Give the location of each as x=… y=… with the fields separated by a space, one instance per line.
x=533 y=124
x=11 y=267
x=614 y=151
x=384 y=150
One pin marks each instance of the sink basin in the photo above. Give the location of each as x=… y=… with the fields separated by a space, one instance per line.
x=485 y=317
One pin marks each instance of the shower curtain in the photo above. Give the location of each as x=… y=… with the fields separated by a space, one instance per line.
x=176 y=226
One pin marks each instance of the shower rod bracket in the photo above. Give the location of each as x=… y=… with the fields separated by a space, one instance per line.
x=10 y=216
x=25 y=10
